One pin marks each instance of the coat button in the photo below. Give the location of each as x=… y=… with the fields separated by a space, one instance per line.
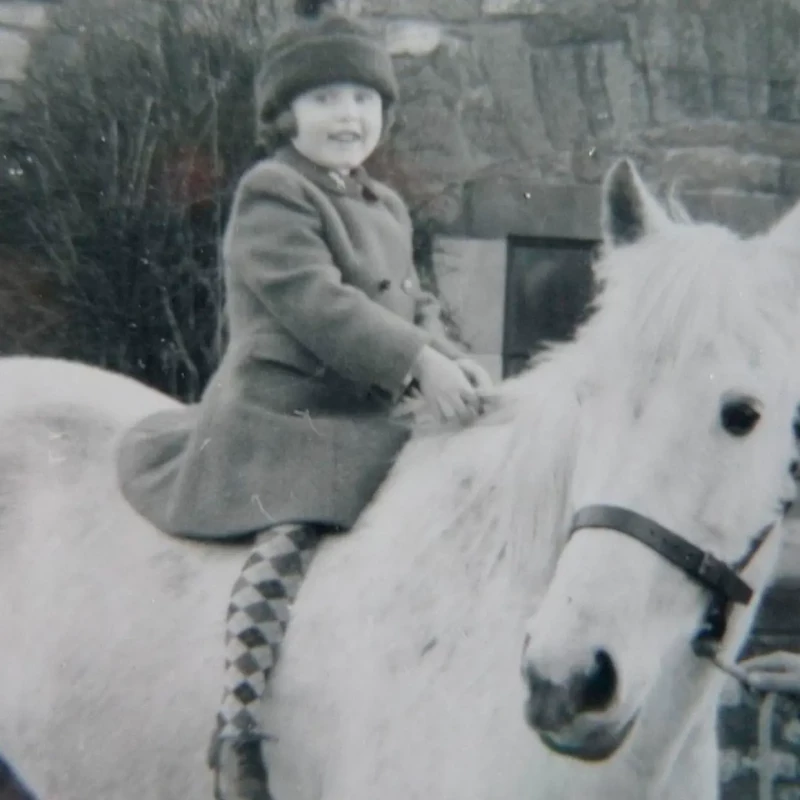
x=407 y=285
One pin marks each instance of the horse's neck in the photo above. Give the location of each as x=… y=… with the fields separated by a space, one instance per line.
x=468 y=515
x=531 y=499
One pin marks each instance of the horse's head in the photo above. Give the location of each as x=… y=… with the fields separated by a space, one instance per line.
x=688 y=381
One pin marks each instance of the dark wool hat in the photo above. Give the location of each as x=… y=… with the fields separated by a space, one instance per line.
x=331 y=49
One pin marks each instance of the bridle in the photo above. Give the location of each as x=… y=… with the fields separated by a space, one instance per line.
x=723 y=581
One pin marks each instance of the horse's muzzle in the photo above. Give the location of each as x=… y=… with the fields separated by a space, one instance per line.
x=567 y=714
x=597 y=744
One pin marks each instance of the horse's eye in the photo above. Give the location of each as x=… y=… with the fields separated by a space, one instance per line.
x=739 y=417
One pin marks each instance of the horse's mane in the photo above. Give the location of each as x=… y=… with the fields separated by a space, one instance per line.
x=684 y=294
x=690 y=291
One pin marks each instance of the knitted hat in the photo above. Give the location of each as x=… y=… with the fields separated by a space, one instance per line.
x=312 y=53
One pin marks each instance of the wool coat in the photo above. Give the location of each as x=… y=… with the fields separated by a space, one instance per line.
x=326 y=317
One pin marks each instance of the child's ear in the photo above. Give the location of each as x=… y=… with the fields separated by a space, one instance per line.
x=389 y=124
x=276 y=132
x=286 y=124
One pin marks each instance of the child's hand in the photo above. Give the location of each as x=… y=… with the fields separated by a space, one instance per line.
x=445 y=387
x=477 y=376
x=774 y=672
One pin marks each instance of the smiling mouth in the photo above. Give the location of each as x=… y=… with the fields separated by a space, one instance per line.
x=345 y=138
x=598 y=746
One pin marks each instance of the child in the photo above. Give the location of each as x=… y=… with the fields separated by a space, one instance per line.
x=328 y=330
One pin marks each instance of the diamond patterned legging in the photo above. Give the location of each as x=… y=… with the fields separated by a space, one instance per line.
x=258 y=615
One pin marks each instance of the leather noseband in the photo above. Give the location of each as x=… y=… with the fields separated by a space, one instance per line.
x=721 y=579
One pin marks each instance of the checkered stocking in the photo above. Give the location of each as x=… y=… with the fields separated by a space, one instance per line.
x=257 y=618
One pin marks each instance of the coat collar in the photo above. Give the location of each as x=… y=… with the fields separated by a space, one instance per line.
x=357 y=184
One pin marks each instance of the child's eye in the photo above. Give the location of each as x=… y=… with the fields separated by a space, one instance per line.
x=322 y=96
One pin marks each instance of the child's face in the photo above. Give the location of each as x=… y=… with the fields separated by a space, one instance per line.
x=338 y=125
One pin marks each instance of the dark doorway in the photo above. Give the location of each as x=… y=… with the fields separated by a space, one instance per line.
x=549 y=286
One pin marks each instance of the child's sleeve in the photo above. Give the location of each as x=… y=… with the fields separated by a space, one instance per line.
x=275 y=245
x=428 y=311
x=429 y=318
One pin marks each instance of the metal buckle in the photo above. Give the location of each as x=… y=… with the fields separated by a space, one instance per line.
x=722 y=579
x=708 y=568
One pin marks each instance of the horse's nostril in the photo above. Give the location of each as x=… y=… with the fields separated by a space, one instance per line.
x=794 y=469
x=549 y=706
x=600 y=684
x=533 y=680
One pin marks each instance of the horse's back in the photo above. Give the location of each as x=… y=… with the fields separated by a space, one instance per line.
x=30 y=382
x=111 y=632
x=59 y=423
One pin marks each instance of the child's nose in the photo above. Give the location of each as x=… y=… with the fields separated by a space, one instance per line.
x=348 y=107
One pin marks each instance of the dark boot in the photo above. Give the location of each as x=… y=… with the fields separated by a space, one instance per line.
x=239 y=770
x=255 y=628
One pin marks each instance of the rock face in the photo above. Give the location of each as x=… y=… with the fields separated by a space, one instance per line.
x=503 y=95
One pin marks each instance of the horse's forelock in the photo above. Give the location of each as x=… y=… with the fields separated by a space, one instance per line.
x=696 y=288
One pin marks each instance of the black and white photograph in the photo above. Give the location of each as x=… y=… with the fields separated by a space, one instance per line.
x=399 y=399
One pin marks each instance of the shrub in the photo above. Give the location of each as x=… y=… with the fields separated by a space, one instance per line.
x=137 y=123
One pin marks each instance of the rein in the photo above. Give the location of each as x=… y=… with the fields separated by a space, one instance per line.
x=722 y=580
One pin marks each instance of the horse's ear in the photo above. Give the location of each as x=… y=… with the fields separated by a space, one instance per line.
x=629 y=209
x=787 y=228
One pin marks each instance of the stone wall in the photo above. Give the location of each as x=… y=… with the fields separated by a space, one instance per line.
x=502 y=96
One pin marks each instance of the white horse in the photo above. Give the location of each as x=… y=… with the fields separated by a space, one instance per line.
x=400 y=677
